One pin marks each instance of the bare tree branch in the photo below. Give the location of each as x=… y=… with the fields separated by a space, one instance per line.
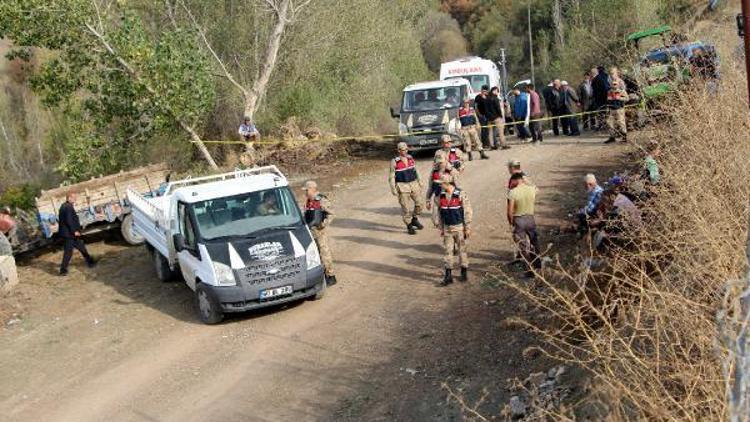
x=227 y=74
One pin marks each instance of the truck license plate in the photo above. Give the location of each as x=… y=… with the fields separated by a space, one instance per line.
x=276 y=292
x=428 y=142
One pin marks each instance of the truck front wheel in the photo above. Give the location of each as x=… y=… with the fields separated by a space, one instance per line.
x=161 y=265
x=209 y=309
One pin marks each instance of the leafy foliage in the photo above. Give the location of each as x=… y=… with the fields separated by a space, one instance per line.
x=141 y=85
x=20 y=196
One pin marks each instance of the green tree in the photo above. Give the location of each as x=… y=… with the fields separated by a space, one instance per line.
x=126 y=83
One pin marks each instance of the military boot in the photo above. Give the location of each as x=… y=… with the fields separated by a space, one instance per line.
x=483 y=155
x=410 y=229
x=330 y=280
x=471 y=157
x=416 y=224
x=448 y=279
x=464 y=274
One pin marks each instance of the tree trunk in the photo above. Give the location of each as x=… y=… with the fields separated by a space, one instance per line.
x=557 y=20
x=201 y=146
x=260 y=85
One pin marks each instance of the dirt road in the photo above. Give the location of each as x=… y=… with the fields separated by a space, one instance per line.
x=114 y=344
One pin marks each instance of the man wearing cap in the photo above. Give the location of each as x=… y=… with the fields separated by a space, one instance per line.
x=521 y=218
x=441 y=169
x=469 y=131
x=318 y=216
x=405 y=183
x=452 y=216
x=453 y=155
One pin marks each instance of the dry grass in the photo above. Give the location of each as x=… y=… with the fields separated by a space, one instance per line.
x=645 y=324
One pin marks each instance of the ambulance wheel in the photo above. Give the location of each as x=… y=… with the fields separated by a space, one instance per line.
x=209 y=309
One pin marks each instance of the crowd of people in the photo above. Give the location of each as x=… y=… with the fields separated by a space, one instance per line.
x=609 y=210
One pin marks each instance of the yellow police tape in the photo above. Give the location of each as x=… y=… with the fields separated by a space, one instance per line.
x=387 y=136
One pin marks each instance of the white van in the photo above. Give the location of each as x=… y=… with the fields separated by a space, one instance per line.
x=476 y=70
x=234 y=254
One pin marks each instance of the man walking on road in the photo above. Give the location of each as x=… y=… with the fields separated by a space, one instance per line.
x=405 y=184
x=480 y=105
x=318 y=216
x=496 y=119
x=441 y=169
x=616 y=122
x=70 y=231
x=586 y=97
x=569 y=107
x=600 y=86
x=453 y=155
x=535 y=126
x=453 y=217
x=469 y=131
x=521 y=218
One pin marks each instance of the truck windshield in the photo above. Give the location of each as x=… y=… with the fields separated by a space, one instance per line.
x=433 y=98
x=246 y=214
x=476 y=81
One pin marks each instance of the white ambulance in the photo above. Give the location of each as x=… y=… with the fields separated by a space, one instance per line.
x=476 y=70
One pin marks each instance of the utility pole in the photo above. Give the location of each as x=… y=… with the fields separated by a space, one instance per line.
x=505 y=70
x=531 y=40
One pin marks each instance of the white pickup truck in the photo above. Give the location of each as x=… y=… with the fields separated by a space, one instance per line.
x=238 y=239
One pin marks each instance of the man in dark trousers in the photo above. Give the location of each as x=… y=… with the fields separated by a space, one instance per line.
x=70 y=231
x=480 y=106
x=600 y=87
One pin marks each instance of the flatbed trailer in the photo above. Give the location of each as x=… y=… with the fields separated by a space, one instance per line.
x=102 y=205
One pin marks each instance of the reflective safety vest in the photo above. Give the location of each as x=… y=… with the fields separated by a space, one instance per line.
x=314 y=214
x=467 y=117
x=405 y=172
x=451 y=208
x=437 y=187
x=453 y=158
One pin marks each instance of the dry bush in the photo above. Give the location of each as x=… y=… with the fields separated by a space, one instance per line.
x=645 y=323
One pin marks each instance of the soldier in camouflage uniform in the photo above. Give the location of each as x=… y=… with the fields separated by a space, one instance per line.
x=318 y=216
x=454 y=155
x=453 y=217
x=405 y=184
x=440 y=169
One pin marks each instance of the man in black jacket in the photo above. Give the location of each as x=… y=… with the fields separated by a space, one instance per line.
x=70 y=231
x=480 y=106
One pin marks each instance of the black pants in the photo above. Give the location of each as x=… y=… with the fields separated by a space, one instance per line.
x=556 y=123
x=68 y=246
x=536 y=131
x=589 y=119
x=570 y=125
x=523 y=132
x=484 y=133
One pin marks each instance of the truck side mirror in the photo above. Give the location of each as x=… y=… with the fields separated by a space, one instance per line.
x=394 y=114
x=179 y=242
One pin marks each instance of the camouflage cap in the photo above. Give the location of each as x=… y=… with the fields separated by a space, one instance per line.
x=514 y=163
x=402 y=146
